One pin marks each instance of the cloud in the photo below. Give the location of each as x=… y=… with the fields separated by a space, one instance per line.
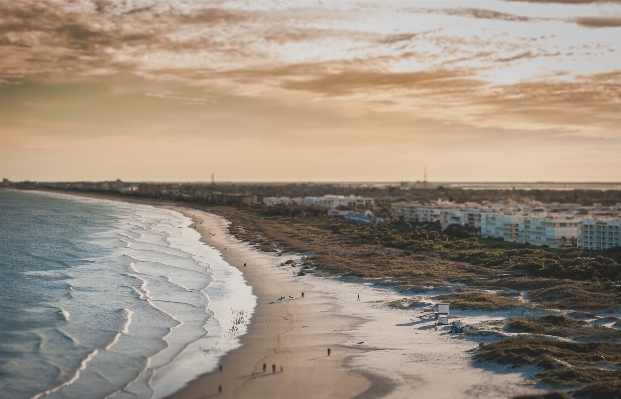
x=214 y=15
x=484 y=14
x=598 y=22
x=353 y=81
x=526 y=54
x=399 y=37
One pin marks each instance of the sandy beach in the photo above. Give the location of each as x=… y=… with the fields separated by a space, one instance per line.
x=377 y=351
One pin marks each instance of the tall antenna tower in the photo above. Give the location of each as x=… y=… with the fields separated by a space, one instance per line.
x=425 y=176
x=212 y=179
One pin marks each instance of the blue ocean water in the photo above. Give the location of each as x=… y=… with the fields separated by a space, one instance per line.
x=101 y=299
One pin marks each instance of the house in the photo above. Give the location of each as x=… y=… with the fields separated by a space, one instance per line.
x=340 y=210
x=363 y=218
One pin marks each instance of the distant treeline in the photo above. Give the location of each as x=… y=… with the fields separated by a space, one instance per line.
x=394 y=193
x=387 y=193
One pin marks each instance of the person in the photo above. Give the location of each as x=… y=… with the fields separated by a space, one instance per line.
x=244 y=265
x=358 y=296
x=329 y=351
x=273 y=368
x=220 y=368
x=302 y=295
x=220 y=388
x=264 y=367
x=281 y=369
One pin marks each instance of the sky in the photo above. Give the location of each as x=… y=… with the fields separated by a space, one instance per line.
x=343 y=90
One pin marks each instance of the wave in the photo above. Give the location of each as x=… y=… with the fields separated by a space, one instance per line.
x=128 y=320
x=132 y=267
x=73 y=379
x=65 y=315
x=123 y=330
x=167 y=265
x=178 y=285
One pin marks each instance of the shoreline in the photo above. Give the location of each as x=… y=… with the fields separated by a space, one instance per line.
x=294 y=333
x=373 y=354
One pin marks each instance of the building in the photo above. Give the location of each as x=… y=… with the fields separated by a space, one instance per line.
x=363 y=218
x=553 y=230
x=502 y=225
x=234 y=198
x=332 y=201
x=286 y=201
x=340 y=210
x=552 y=224
x=600 y=233
x=154 y=189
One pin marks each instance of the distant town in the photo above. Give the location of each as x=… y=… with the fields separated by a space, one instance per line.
x=549 y=224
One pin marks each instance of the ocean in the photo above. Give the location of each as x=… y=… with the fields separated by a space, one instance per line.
x=104 y=299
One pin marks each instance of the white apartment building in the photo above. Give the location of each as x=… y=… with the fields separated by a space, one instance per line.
x=556 y=225
x=408 y=211
x=502 y=225
x=600 y=233
x=445 y=213
x=470 y=217
x=554 y=230
x=332 y=201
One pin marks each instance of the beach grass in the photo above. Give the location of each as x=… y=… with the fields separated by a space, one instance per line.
x=477 y=300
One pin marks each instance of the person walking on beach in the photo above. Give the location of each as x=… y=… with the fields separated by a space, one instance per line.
x=220 y=368
x=244 y=265
x=358 y=296
x=302 y=295
x=329 y=351
x=264 y=367
x=273 y=368
x=219 y=388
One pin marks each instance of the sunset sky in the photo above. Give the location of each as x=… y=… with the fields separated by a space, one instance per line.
x=174 y=90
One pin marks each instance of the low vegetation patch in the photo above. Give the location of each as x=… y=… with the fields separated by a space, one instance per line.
x=477 y=300
x=563 y=326
x=598 y=383
x=522 y=351
x=567 y=363
x=543 y=324
x=405 y=303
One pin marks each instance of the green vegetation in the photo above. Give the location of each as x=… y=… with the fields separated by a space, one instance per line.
x=416 y=255
x=543 y=324
x=551 y=354
x=476 y=300
x=562 y=326
x=567 y=363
